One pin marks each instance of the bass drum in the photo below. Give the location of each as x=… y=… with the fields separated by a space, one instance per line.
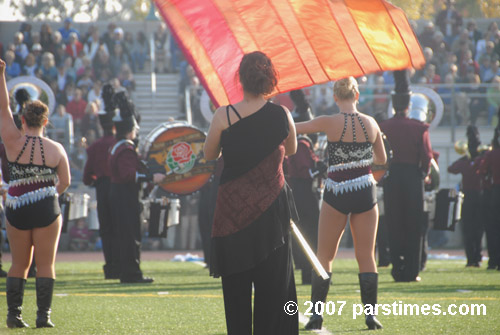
x=178 y=148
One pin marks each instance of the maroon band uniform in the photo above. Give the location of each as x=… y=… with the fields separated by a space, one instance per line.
x=404 y=193
x=96 y=173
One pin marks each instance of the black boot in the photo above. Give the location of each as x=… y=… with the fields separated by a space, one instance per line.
x=44 y=291
x=319 y=291
x=15 y=294
x=368 y=283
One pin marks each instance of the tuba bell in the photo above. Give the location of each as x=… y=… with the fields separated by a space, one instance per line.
x=462 y=148
x=36 y=88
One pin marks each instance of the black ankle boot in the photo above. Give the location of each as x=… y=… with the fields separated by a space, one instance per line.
x=319 y=291
x=368 y=283
x=44 y=291
x=15 y=294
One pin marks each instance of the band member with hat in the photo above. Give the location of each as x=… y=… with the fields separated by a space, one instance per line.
x=490 y=166
x=471 y=206
x=96 y=173
x=127 y=173
x=404 y=185
x=301 y=170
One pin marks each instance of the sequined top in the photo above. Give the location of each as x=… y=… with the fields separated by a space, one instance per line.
x=350 y=162
x=30 y=182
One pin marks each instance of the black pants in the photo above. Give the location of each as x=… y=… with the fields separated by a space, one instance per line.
x=126 y=230
x=472 y=226
x=102 y=187
x=493 y=227
x=307 y=205
x=384 y=256
x=274 y=285
x=404 y=208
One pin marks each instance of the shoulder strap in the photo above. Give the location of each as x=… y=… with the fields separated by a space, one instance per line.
x=120 y=142
x=363 y=126
x=353 y=128
x=345 y=127
x=41 y=150
x=28 y=138
x=235 y=112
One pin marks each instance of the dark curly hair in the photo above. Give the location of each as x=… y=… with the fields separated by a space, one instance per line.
x=257 y=74
x=35 y=114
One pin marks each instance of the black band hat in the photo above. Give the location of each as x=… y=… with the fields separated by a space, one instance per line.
x=22 y=96
x=124 y=119
x=401 y=94
x=106 y=115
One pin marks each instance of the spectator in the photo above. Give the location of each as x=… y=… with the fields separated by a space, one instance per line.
x=449 y=21
x=107 y=38
x=475 y=93
x=430 y=75
x=493 y=97
x=485 y=68
x=12 y=68
x=92 y=45
x=30 y=66
x=128 y=44
x=90 y=120
x=95 y=93
x=59 y=49
x=20 y=49
x=66 y=30
x=79 y=236
x=140 y=50
x=73 y=47
x=101 y=64
x=26 y=31
x=61 y=128
x=160 y=40
x=126 y=78
x=119 y=58
x=62 y=77
x=426 y=38
x=77 y=160
x=46 y=38
x=463 y=38
x=76 y=107
x=492 y=72
x=474 y=33
x=81 y=64
x=468 y=64
x=380 y=101
x=37 y=51
x=86 y=80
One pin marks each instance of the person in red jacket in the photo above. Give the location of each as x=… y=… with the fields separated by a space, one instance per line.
x=73 y=47
x=97 y=174
x=404 y=186
x=471 y=206
x=490 y=166
x=126 y=174
x=76 y=108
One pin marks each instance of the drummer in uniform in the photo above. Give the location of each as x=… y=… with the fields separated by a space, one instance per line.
x=127 y=173
x=96 y=173
x=404 y=185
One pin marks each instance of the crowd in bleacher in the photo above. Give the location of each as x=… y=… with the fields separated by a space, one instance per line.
x=76 y=65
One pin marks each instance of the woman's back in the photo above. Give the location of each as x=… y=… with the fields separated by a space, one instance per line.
x=253 y=137
x=51 y=151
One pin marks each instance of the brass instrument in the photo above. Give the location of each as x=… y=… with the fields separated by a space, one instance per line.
x=462 y=148
x=37 y=89
x=484 y=147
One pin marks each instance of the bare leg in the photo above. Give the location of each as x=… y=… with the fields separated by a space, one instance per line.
x=331 y=227
x=21 y=247
x=364 y=233
x=46 y=240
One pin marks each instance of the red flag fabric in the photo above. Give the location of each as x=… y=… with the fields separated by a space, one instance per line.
x=309 y=41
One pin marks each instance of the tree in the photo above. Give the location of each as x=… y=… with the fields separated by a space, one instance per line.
x=92 y=10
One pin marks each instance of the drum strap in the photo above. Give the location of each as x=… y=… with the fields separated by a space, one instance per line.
x=117 y=145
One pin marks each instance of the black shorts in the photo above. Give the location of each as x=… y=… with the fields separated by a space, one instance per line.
x=35 y=215
x=358 y=201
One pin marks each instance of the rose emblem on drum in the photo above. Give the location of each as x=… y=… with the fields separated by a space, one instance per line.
x=180 y=158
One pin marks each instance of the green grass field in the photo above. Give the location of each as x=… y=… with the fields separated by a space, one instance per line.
x=185 y=300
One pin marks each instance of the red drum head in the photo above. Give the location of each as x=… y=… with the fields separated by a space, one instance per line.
x=178 y=147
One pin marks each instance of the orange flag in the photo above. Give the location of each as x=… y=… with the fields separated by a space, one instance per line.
x=309 y=41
